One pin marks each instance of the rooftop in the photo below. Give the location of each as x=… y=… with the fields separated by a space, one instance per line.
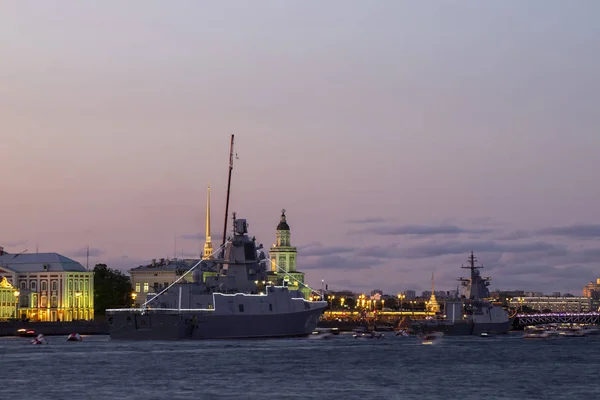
x=35 y=262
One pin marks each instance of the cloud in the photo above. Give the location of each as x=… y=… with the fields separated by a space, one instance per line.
x=83 y=252
x=420 y=230
x=578 y=231
x=193 y=236
x=13 y=243
x=339 y=262
x=457 y=247
x=366 y=220
x=319 y=250
x=515 y=235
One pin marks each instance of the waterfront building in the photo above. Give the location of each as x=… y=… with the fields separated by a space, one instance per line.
x=553 y=304
x=592 y=290
x=9 y=296
x=284 y=255
x=157 y=275
x=47 y=286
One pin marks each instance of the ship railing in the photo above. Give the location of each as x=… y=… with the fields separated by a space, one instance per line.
x=159 y=310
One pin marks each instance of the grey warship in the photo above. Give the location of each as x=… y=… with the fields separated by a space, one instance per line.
x=230 y=297
x=471 y=314
x=235 y=302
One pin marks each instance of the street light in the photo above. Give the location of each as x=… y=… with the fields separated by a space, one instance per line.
x=401 y=297
x=17 y=294
x=133 y=296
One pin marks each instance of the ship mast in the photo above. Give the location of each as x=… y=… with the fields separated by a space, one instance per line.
x=228 y=190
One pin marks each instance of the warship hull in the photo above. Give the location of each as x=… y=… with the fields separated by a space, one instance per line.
x=200 y=325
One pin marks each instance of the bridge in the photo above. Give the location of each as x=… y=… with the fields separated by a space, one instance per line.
x=522 y=320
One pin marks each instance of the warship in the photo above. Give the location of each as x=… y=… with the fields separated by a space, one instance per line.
x=230 y=297
x=471 y=314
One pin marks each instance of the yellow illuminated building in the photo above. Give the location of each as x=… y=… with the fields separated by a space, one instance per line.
x=50 y=287
x=9 y=296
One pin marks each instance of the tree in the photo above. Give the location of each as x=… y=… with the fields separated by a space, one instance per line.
x=112 y=289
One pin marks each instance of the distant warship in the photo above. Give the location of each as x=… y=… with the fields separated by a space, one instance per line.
x=229 y=298
x=471 y=314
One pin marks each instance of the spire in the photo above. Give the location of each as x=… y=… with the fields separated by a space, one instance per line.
x=433 y=305
x=208 y=250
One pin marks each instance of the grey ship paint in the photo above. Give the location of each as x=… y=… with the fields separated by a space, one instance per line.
x=472 y=314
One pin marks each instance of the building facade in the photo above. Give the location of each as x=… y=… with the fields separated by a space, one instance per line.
x=47 y=286
x=158 y=275
x=283 y=257
x=554 y=304
x=592 y=290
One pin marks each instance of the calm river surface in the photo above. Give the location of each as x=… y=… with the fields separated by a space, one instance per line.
x=506 y=367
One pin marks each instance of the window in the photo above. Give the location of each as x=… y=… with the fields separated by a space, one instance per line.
x=34 y=300
x=80 y=285
x=241 y=307
x=137 y=287
x=53 y=301
x=146 y=286
x=33 y=285
x=85 y=285
x=70 y=284
x=23 y=285
x=44 y=302
x=44 y=285
x=54 y=286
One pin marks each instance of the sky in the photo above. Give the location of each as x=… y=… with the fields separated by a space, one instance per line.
x=398 y=135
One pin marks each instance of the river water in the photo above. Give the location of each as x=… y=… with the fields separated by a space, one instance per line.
x=504 y=367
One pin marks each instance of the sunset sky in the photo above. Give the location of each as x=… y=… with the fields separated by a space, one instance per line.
x=398 y=135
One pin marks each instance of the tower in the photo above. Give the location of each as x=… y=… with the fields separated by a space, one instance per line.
x=433 y=305
x=283 y=258
x=208 y=249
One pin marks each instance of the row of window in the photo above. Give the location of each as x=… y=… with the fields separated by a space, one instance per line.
x=79 y=285
x=71 y=301
x=157 y=286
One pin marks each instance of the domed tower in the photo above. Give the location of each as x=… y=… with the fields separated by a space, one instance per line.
x=282 y=253
x=283 y=257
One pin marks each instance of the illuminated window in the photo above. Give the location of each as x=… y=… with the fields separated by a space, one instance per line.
x=44 y=302
x=86 y=285
x=53 y=301
x=137 y=287
x=70 y=284
x=146 y=287
x=44 y=285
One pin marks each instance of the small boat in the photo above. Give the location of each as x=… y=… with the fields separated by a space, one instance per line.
x=402 y=333
x=540 y=334
x=26 y=332
x=368 y=335
x=484 y=334
x=39 y=339
x=74 y=337
x=430 y=338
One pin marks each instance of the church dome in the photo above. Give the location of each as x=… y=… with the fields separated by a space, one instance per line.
x=283 y=226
